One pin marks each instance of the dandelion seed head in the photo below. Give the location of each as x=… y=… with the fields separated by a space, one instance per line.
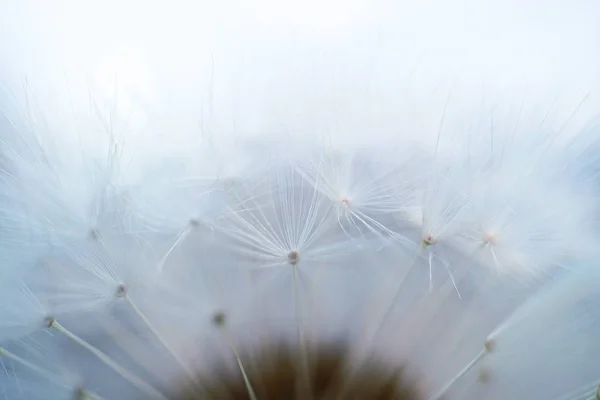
x=428 y=240
x=490 y=238
x=346 y=202
x=440 y=224
x=293 y=257
x=121 y=290
x=94 y=234
x=490 y=345
x=484 y=376
x=49 y=322
x=219 y=318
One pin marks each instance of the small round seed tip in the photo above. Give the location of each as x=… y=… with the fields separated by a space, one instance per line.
x=49 y=322
x=121 y=290
x=219 y=318
x=294 y=256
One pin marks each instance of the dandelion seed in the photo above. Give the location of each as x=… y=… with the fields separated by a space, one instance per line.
x=59 y=376
x=294 y=257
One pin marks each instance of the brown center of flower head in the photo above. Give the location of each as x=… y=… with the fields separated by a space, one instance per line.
x=274 y=373
x=274 y=376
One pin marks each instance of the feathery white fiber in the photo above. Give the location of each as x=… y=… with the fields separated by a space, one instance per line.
x=185 y=186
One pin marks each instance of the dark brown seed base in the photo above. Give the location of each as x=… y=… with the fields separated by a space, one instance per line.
x=274 y=375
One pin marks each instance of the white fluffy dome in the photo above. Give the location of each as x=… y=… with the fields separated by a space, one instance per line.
x=417 y=180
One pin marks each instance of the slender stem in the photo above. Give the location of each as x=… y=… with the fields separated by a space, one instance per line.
x=304 y=387
x=246 y=380
x=462 y=373
x=88 y=395
x=372 y=333
x=251 y=392
x=397 y=294
x=42 y=372
x=159 y=337
x=133 y=379
x=180 y=238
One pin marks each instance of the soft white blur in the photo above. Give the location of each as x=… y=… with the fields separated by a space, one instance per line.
x=341 y=68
